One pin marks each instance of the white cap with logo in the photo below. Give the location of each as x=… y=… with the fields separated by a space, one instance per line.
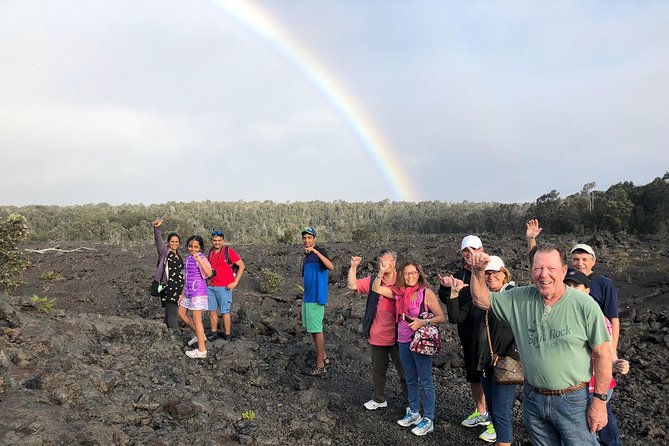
x=584 y=247
x=471 y=241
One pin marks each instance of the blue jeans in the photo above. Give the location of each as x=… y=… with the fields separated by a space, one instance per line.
x=558 y=420
x=499 y=399
x=610 y=436
x=418 y=372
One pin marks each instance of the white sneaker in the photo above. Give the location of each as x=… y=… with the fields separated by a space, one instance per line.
x=373 y=405
x=410 y=418
x=196 y=354
x=424 y=427
x=193 y=341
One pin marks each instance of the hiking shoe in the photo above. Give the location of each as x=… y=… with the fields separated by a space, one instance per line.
x=410 y=418
x=317 y=371
x=196 y=354
x=211 y=337
x=476 y=419
x=193 y=341
x=373 y=405
x=489 y=434
x=424 y=427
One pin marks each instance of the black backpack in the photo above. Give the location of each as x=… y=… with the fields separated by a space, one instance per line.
x=233 y=266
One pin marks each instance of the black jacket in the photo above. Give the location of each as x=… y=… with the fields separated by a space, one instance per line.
x=503 y=342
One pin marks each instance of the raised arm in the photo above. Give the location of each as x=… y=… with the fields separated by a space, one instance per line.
x=158 y=236
x=351 y=279
x=376 y=283
x=532 y=231
x=478 y=288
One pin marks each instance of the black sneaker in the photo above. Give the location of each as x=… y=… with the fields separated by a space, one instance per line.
x=318 y=372
x=211 y=337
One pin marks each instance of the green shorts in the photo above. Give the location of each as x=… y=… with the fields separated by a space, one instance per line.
x=312 y=317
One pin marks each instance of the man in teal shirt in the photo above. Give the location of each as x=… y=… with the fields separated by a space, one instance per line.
x=559 y=334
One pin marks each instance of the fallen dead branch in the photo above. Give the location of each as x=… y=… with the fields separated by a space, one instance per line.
x=57 y=249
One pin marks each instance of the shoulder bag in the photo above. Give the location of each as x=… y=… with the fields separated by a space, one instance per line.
x=507 y=369
x=427 y=339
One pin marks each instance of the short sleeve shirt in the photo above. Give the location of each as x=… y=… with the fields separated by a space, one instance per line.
x=315 y=276
x=554 y=342
x=224 y=275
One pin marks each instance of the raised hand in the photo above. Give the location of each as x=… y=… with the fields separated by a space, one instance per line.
x=478 y=260
x=446 y=280
x=355 y=261
x=533 y=230
x=157 y=222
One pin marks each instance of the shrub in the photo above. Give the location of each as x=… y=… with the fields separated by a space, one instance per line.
x=248 y=415
x=52 y=275
x=12 y=232
x=270 y=282
x=44 y=304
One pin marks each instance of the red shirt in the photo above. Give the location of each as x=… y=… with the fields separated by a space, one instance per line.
x=224 y=276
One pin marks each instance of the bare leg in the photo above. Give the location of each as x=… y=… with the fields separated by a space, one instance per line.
x=183 y=315
x=199 y=330
x=479 y=397
x=226 y=323
x=319 y=344
x=213 y=319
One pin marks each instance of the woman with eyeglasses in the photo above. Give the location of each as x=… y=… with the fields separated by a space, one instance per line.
x=409 y=292
x=196 y=271
x=169 y=272
x=499 y=397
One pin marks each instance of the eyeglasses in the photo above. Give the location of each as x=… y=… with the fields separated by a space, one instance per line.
x=491 y=273
x=547 y=311
x=411 y=273
x=215 y=233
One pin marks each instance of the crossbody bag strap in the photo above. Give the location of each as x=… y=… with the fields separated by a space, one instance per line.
x=493 y=357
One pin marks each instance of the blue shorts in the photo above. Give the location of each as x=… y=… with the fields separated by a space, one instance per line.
x=220 y=299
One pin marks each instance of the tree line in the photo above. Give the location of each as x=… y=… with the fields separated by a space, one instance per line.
x=622 y=207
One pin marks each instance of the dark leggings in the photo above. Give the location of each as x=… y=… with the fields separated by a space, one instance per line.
x=171 y=317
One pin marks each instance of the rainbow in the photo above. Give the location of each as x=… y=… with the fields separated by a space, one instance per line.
x=257 y=20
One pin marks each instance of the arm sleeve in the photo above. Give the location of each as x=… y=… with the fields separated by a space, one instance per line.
x=362 y=286
x=158 y=238
x=611 y=302
x=233 y=256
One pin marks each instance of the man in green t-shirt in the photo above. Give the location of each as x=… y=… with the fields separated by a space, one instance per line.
x=560 y=336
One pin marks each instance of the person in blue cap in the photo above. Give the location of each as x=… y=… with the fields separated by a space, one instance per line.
x=315 y=270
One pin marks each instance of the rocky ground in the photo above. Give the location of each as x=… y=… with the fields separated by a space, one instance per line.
x=100 y=368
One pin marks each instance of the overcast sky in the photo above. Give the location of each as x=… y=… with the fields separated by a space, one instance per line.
x=186 y=100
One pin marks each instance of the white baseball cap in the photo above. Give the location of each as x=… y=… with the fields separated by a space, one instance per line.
x=495 y=264
x=584 y=247
x=471 y=241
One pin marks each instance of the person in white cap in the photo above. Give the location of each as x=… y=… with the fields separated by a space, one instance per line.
x=454 y=293
x=602 y=289
x=562 y=339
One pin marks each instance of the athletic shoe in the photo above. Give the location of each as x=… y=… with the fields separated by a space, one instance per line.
x=193 y=341
x=317 y=371
x=373 y=405
x=424 y=427
x=489 y=434
x=196 y=354
x=476 y=419
x=410 y=418
x=211 y=337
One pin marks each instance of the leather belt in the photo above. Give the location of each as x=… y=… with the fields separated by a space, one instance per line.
x=549 y=392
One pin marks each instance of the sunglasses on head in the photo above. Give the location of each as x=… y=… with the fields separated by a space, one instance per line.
x=213 y=233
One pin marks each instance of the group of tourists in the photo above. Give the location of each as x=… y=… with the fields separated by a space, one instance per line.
x=197 y=283
x=563 y=328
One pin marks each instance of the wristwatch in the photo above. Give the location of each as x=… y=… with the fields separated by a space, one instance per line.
x=427 y=322
x=601 y=396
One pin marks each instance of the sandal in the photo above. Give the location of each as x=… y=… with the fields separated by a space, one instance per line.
x=328 y=360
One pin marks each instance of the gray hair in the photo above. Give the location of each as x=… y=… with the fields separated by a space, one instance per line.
x=386 y=251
